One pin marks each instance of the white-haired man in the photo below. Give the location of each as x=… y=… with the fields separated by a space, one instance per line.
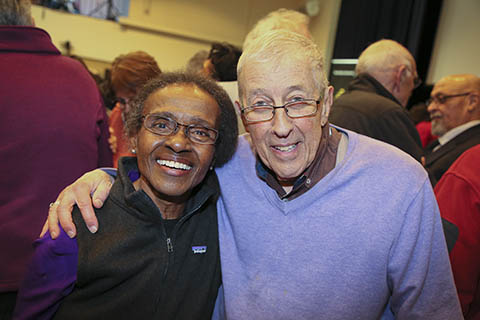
x=315 y=222
x=374 y=104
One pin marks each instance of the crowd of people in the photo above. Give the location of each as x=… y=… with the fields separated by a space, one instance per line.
x=238 y=188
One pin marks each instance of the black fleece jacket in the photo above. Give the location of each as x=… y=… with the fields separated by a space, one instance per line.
x=130 y=269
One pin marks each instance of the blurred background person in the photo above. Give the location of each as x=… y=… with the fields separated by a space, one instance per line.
x=195 y=64
x=129 y=73
x=283 y=19
x=53 y=128
x=374 y=103
x=454 y=109
x=458 y=196
x=221 y=65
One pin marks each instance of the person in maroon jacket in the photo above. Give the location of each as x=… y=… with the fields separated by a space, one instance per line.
x=53 y=128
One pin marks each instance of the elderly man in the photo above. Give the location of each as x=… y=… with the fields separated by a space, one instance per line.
x=455 y=112
x=314 y=222
x=53 y=127
x=374 y=104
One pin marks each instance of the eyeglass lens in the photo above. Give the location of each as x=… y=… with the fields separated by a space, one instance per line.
x=165 y=126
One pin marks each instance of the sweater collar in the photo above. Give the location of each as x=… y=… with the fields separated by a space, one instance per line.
x=144 y=207
x=366 y=82
x=26 y=39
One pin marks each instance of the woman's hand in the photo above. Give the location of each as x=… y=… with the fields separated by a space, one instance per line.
x=92 y=187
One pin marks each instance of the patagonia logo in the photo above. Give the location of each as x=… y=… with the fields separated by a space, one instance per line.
x=199 y=249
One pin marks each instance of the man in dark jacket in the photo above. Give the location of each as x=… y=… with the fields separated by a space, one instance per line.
x=455 y=112
x=374 y=102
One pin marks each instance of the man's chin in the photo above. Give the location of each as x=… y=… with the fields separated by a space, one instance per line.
x=438 y=130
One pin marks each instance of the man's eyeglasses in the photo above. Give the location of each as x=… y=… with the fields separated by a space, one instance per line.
x=164 y=126
x=440 y=99
x=416 y=79
x=416 y=82
x=293 y=109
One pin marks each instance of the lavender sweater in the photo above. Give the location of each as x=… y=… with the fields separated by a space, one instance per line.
x=366 y=242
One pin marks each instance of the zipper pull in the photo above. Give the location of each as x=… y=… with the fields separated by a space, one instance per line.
x=169 y=245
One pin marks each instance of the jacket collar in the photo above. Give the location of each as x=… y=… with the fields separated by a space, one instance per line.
x=366 y=82
x=26 y=39
x=450 y=145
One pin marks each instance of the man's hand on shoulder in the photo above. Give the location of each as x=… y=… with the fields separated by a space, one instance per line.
x=92 y=187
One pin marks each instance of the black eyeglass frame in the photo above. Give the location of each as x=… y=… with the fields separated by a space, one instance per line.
x=285 y=106
x=442 y=99
x=177 y=124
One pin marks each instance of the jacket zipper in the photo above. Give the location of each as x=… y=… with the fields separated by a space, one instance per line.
x=169 y=245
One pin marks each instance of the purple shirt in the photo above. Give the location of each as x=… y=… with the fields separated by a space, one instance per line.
x=50 y=278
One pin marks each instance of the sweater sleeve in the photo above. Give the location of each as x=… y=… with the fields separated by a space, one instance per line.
x=50 y=277
x=419 y=273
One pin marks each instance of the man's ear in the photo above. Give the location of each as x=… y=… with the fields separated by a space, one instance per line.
x=473 y=102
x=326 y=105
x=238 y=109
x=399 y=77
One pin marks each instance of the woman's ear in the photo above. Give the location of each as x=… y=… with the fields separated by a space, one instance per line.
x=133 y=145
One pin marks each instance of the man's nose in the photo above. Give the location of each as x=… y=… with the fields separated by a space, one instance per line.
x=432 y=106
x=282 y=124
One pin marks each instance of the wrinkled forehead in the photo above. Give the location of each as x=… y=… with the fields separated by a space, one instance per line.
x=276 y=75
x=449 y=86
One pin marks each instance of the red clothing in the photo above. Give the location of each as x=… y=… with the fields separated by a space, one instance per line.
x=458 y=196
x=424 y=129
x=123 y=144
x=53 y=128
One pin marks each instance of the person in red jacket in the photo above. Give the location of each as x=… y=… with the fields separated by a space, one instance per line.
x=458 y=196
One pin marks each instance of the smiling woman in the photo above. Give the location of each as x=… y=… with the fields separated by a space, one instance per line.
x=159 y=233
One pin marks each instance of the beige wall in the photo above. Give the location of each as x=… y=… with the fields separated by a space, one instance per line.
x=172 y=31
x=324 y=28
x=457 y=43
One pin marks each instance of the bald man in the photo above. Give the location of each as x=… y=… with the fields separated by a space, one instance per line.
x=374 y=104
x=454 y=108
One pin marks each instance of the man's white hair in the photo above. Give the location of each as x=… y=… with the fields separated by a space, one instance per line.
x=279 y=19
x=277 y=45
x=382 y=56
